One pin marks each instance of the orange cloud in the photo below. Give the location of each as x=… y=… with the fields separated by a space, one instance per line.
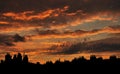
x=103 y=16
x=79 y=17
x=56 y=18
x=15 y=29
x=4 y=22
x=29 y=15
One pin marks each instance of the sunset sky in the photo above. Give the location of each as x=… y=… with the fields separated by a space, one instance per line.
x=59 y=29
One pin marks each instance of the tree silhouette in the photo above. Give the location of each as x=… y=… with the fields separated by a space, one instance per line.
x=76 y=65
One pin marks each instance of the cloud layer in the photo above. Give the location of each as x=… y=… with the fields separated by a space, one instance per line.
x=86 y=5
x=54 y=13
x=73 y=34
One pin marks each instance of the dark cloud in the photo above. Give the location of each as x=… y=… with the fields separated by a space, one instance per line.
x=18 y=38
x=114 y=26
x=8 y=40
x=103 y=45
x=39 y=5
x=26 y=5
x=116 y=34
x=75 y=48
x=4 y=26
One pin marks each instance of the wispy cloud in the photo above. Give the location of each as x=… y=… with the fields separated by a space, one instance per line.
x=73 y=34
x=32 y=15
x=28 y=15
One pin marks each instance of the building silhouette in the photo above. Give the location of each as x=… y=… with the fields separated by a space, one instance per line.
x=21 y=63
